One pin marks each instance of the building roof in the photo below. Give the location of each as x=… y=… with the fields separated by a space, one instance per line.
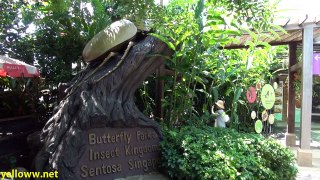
x=293 y=33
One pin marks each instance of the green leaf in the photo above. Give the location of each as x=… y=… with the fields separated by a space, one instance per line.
x=165 y=40
x=237 y=95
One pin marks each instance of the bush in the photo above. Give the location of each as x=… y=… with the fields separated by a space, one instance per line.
x=216 y=153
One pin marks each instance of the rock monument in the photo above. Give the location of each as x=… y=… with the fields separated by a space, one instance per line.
x=98 y=132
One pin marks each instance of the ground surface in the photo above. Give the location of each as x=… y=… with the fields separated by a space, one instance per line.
x=305 y=173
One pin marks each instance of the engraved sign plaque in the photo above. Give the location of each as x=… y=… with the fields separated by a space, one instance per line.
x=119 y=152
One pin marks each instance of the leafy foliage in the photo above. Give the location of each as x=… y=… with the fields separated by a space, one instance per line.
x=21 y=98
x=198 y=31
x=52 y=34
x=141 y=12
x=218 y=153
x=63 y=27
x=13 y=30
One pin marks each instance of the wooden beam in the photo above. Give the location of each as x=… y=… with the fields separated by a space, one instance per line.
x=296 y=67
x=283 y=77
x=17 y=118
x=316 y=40
x=301 y=26
x=167 y=72
x=306 y=108
x=271 y=43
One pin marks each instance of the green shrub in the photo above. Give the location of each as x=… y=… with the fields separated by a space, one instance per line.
x=216 y=153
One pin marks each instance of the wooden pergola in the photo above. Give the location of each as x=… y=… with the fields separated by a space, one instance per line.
x=304 y=34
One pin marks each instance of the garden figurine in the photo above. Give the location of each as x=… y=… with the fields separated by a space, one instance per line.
x=221 y=116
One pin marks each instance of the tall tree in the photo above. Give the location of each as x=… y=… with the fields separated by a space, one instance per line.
x=14 y=40
x=61 y=29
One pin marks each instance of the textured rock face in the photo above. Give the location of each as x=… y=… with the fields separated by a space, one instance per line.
x=100 y=96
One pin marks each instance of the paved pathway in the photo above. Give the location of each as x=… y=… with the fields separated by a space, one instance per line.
x=310 y=173
x=307 y=173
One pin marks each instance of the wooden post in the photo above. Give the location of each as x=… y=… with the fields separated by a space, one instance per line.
x=307 y=82
x=159 y=93
x=290 y=136
x=304 y=156
x=291 y=98
x=161 y=71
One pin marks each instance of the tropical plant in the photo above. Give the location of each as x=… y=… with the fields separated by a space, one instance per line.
x=198 y=31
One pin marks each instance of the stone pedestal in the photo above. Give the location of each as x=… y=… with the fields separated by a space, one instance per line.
x=290 y=139
x=304 y=157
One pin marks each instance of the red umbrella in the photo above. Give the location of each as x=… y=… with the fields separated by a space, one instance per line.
x=15 y=68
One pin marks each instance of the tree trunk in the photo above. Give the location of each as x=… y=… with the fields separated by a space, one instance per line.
x=100 y=96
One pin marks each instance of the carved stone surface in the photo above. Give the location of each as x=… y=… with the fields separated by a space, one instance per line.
x=100 y=96
x=118 y=152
